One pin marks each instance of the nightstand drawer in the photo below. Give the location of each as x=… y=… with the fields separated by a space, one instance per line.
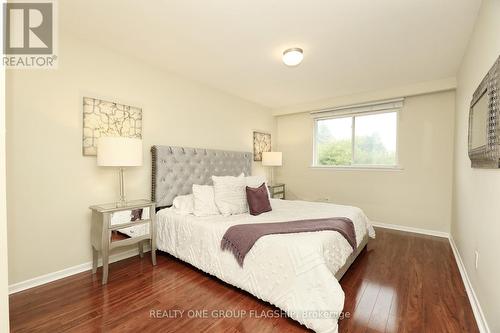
x=125 y=217
x=129 y=224
x=277 y=191
x=279 y=195
x=133 y=229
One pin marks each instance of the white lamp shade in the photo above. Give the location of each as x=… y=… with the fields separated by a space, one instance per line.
x=272 y=158
x=119 y=151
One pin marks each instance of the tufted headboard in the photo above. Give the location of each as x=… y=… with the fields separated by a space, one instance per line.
x=176 y=169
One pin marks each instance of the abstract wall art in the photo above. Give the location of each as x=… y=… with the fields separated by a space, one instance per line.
x=261 y=143
x=104 y=118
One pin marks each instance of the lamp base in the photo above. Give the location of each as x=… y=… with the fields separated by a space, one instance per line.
x=122 y=201
x=121 y=204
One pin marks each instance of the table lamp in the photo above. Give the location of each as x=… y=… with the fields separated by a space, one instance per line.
x=119 y=152
x=272 y=159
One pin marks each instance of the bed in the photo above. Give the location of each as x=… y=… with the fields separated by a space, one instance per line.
x=298 y=272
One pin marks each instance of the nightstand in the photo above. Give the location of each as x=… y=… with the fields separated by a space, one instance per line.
x=116 y=225
x=277 y=191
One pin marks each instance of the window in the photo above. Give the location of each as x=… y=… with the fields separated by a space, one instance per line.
x=357 y=139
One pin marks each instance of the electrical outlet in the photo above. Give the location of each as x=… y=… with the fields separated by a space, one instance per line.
x=476 y=258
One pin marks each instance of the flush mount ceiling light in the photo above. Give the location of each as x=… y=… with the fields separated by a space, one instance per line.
x=293 y=57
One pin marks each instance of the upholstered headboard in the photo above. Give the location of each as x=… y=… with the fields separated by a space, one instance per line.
x=176 y=169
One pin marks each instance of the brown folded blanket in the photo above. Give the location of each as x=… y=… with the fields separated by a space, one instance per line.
x=240 y=238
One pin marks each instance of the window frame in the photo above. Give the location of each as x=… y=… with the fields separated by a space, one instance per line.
x=353 y=115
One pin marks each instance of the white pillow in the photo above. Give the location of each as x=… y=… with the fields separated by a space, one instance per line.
x=256 y=181
x=184 y=203
x=204 y=203
x=230 y=194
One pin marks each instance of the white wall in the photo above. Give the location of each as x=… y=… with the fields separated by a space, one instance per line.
x=50 y=184
x=420 y=88
x=476 y=205
x=418 y=196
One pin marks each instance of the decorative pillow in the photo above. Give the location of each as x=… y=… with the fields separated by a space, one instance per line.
x=184 y=203
x=204 y=203
x=230 y=195
x=258 y=199
x=256 y=181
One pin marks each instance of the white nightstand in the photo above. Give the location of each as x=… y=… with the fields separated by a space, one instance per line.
x=109 y=232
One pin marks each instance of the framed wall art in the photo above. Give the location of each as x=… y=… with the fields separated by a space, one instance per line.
x=261 y=143
x=104 y=118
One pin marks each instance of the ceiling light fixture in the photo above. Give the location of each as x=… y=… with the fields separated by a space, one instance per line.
x=293 y=57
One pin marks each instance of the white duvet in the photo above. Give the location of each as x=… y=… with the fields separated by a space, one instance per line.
x=295 y=272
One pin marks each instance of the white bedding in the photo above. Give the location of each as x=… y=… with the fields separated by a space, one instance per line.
x=295 y=272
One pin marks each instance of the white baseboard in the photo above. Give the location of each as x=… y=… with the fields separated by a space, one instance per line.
x=412 y=229
x=474 y=302
x=39 y=280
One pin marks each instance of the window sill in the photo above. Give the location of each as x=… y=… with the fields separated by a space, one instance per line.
x=358 y=168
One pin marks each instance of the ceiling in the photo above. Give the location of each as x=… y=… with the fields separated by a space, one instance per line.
x=350 y=46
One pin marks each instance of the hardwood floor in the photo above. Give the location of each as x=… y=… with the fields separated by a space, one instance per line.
x=402 y=282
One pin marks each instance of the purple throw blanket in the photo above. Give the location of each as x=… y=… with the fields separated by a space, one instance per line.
x=240 y=238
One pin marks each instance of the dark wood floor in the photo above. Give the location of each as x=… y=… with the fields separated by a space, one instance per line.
x=402 y=283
